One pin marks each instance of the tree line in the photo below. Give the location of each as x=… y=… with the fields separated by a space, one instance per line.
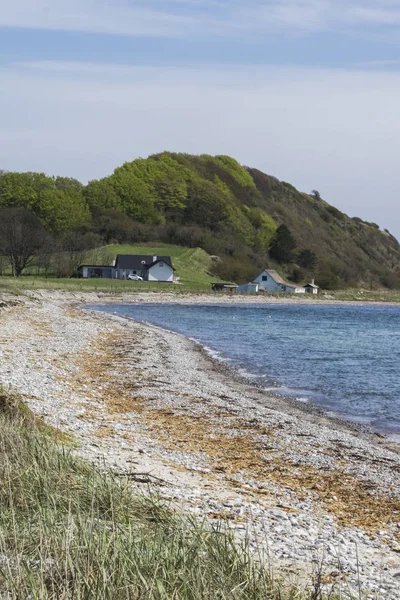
x=24 y=241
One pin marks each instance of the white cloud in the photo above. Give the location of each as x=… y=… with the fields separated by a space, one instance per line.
x=100 y=16
x=380 y=63
x=374 y=12
x=188 y=18
x=335 y=131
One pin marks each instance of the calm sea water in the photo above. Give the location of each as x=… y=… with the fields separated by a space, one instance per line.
x=345 y=359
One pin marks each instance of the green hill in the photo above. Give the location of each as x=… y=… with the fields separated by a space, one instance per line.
x=248 y=219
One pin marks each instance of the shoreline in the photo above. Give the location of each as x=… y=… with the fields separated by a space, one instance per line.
x=224 y=365
x=190 y=297
x=137 y=398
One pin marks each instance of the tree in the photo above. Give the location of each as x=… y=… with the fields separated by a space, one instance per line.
x=114 y=226
x=75 y=246
x=19 y=189
x=63 y=206
x=307 y=259
x=316 y=194
x=58 y=201
x=102 y=197
x=207 y=205
x=136 y=196
x=265 y=228
x=283 y=245
x=21 y=236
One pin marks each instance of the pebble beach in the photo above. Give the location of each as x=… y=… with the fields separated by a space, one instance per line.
x=309 y=492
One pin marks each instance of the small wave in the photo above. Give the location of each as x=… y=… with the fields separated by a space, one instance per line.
x=215 y=354
x=245 y=373
x=303 y=400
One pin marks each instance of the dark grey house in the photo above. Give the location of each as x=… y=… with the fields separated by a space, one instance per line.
x=91 y=271
x=149 y=267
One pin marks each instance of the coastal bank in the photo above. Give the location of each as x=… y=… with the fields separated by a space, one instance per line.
x=305 y=489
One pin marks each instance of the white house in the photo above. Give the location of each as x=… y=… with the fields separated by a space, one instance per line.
x=160 y=270
x=149 y=268
x=311 y=288
x=271 y=281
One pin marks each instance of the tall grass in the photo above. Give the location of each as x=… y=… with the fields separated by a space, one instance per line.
x=68 y=530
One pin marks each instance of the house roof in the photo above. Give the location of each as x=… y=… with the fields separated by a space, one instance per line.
x=278 y=279
x=312 y=285
x=161 y=259
x=139 y=262
x=96 y=267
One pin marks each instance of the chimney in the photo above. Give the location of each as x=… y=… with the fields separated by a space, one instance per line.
x=312 y=282
x=154 y=258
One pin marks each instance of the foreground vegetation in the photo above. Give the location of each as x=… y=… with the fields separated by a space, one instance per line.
x=71 y=531
x=247 y=218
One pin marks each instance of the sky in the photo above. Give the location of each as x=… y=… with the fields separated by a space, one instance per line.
x=305 y=90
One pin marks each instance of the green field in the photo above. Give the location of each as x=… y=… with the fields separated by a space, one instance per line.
x=192 y=265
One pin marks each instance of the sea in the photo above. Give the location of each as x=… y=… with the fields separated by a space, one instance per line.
x=344 y=359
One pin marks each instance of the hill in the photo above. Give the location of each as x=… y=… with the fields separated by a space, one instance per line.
x=245 y=217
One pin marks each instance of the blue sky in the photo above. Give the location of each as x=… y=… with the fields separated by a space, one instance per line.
x=307 y=90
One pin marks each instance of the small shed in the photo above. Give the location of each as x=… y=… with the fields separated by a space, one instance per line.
x=311 y=288
x=247 y=288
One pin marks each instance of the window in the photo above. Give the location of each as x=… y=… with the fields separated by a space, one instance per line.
x=161 y=264
x=264 y=278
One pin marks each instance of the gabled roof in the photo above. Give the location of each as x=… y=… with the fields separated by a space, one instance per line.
x=278 y=279
x=312 y=285
x=139 y=262
x=161 y=259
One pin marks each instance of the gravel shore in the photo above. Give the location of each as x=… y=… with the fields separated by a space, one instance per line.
x=305 y=489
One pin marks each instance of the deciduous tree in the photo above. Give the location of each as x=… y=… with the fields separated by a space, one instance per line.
x=21 y=237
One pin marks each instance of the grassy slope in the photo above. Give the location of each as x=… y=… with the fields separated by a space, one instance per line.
x=70 y=531
x=191 y=264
